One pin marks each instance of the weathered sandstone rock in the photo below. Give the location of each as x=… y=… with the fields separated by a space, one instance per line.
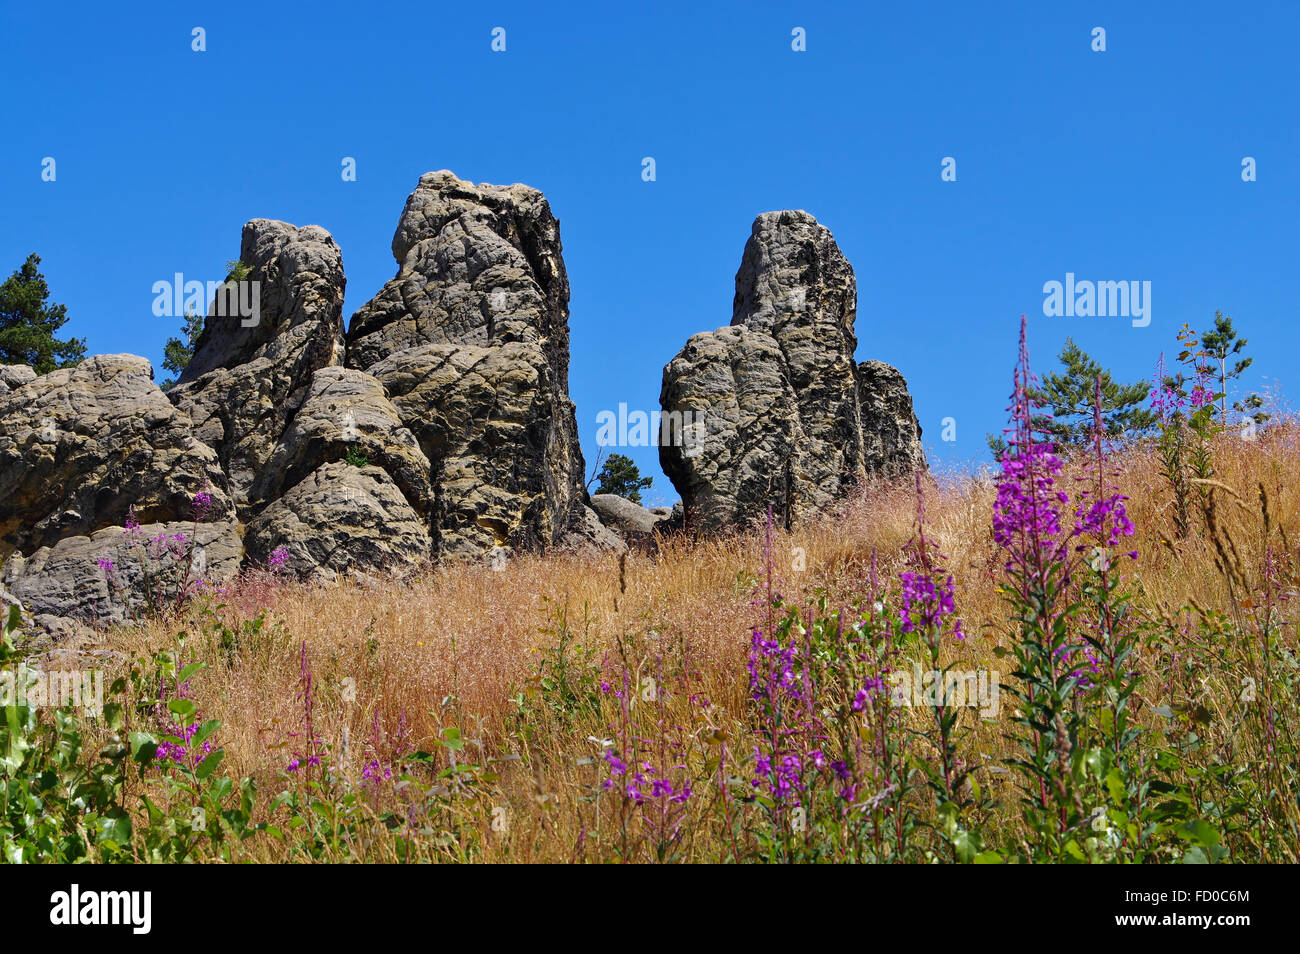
x=247 y=379
x=346 y=412
x=470 y=339
x=627 y=516
x=338 y=518
x=783 y=415
x=81 y=446
x=637 y=525
x=66 y=580
x=14 y=376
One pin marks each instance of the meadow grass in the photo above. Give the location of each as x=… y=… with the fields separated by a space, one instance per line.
x=496 y=696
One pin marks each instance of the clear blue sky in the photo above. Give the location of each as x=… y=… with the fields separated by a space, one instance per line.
x=1122 y=165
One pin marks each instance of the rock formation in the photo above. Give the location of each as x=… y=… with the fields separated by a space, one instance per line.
x=440 y=426
x=636 y=524
x=341 y=517
x=67 y=581
x=250 y=374
x=890 y=432
x=79 y=449
x=14 y=376
x=780 y=412
x=471 y=341
x=81 y=446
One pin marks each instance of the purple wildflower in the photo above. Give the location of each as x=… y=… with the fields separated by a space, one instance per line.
x=616 y=765
x=1166 y=401
x=1026 y=515
x=132 y=525
x=178 y=752
x=928 y=598
x=307 y=695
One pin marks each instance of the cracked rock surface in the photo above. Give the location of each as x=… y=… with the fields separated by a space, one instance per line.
x=471 y=341
x=782 y=413
x=439 y=426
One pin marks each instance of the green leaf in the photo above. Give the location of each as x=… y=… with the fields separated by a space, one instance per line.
x=190 y=670
x=1115 y=786
x=209 y=764
x=967 y=844
x=143 y=746
x=156 y=815
x=1198 y=832
x=204 y=732
x=182 y=707
x=114 y=715
x=115 y=827
x=1095 y=762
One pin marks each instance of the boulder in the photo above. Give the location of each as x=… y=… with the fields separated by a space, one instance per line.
x=14 y=376
x=8 y=601
x=891 y=435
x=67 y=581
x=740 y=455
x=81 y=446
x=347 y=412
x=628 y=517
x=593 y=536
x=338 y=518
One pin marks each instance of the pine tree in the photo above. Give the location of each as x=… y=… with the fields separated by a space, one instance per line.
x=28 y=323
x=621 y=476
x=177 y=354
x=1069 y=396
x=1221 y=345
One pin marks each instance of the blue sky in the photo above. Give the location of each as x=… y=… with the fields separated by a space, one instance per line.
x=1122 y=165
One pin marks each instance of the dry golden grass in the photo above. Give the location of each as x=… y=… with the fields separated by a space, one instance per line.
x=455 y=646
